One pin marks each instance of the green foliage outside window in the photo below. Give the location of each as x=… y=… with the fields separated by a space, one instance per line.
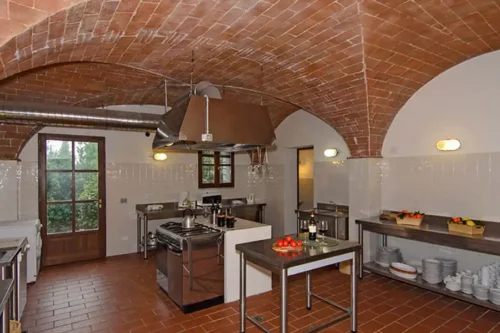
x=59 y=186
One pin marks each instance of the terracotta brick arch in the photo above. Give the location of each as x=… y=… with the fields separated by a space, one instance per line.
x=78 y=84
x=353 y=63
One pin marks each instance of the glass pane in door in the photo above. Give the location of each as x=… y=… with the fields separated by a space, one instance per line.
x=59 y=186
x=86 y=186
x=59 y=155
x=59 y=218
x=86 y=155
x=87 y=216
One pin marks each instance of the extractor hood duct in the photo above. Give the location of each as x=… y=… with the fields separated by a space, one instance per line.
x=233 y=126
x=61 y=115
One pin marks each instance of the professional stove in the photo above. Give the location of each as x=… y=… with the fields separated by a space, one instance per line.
x=174 y=234
x=190 y=265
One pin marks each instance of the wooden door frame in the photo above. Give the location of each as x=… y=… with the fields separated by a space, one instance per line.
x=298 y=178
x=42 y=184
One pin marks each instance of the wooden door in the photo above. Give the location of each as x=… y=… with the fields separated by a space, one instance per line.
x=72 y=192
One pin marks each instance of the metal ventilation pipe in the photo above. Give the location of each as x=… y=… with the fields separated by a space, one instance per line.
x=59 y=115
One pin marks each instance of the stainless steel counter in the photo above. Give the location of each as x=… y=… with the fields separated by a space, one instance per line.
x=261 y=254
x=6 y=287
x=253 y=211
x=336 y=215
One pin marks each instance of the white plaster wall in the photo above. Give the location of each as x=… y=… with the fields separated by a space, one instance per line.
x=131 y=173
x=302 y=129
x=461 y=103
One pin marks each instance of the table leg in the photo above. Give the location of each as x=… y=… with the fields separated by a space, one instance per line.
x=145 y=236
x=139 y=233
x=308 y=290
x=284 y=296
x=360 y=240
x=243 y=291
x=6 y=318
x=354 y=298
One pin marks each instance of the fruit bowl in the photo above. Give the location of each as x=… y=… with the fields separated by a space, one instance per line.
x=288 y=244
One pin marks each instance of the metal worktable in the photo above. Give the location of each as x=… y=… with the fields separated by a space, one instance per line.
x=172 y=210
x=262 y=254
x=434 y=230
x=6 y=287
x=336 y=215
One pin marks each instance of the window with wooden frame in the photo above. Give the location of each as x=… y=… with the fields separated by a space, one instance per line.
x=215 y=169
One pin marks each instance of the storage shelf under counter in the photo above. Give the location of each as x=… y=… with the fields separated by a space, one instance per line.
x=433 y=230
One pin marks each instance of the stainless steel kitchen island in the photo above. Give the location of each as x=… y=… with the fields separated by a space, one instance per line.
x=261 y=253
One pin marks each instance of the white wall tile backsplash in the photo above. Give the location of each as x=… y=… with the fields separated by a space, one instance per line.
x=465 y=185
x=8 y=190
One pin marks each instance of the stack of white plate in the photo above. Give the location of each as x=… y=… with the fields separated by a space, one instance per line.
x=495 y=296
x=387 y=255
x=403 y=271
x=432 y=271
x=480 y=292
x=449 y=266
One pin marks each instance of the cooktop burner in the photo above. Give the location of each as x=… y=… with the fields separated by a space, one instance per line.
x=176 y=228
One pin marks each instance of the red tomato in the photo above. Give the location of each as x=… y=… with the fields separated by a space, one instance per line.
x=288 y=238
x=293 y=243
x=285 y=243
x=279 y=243
x=299 y=242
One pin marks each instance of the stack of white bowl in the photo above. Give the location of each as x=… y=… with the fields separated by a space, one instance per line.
x=432 y=271
x=387 y=255
x=495 y=295
x=480 y=292
x=449 y=266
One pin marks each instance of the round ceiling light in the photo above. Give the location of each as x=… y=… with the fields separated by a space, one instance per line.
x=160 y=156
x=448 y=145
x=331 y=152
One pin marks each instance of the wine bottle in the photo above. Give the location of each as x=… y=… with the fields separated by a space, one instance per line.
x=312 y=228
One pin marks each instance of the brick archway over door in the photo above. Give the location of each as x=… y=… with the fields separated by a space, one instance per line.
x=352 y=63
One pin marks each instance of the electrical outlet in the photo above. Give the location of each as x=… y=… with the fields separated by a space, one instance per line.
x=123 y=200
x=124 y=238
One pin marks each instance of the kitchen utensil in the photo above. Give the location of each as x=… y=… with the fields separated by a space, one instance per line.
x=151 y=239
x=189 y=220
x=387 y=255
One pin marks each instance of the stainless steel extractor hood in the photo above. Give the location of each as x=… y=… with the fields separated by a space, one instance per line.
x=233 y=126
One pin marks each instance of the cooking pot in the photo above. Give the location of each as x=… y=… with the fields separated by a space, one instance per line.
x=188 y=221
x=151 y=240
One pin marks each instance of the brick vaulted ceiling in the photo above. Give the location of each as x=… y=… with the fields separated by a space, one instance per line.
x=353 y=63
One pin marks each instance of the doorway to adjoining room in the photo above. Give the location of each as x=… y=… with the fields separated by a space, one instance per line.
x=305 y=178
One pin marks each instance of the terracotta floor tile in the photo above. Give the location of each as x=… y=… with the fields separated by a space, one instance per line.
x=393 y=328
x=410 y=320
x=457 y=324
x=120 y=295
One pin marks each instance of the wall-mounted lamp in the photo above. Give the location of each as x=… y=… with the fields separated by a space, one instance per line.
x=160 y=156
x=331 y=152
x=448 y=145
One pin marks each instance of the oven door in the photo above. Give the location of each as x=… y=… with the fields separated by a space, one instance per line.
x=161 y=265
x=175 y=275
